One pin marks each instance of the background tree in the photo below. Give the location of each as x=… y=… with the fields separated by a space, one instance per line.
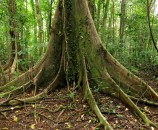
x=138 y=46
x=105 y=19
x=50 y=18
x=14 y=38
x=150 y=28
x=40 y=26
x=122 y=19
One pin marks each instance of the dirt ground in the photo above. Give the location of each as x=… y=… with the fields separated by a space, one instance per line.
x=63 y=110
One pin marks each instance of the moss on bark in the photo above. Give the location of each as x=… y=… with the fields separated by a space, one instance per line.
x=75 y=56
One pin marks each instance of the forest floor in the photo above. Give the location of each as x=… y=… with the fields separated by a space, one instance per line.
x=63 y=110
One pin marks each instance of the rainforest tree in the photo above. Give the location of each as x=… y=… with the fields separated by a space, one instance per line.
x=14 y=35
x=75 y=57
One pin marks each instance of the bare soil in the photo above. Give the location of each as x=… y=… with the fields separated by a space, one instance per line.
x=65 y=110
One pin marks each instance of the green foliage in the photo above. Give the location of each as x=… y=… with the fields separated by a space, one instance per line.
x=136 y=50
x=12 y=87
x=72 y=95
x=27 y=29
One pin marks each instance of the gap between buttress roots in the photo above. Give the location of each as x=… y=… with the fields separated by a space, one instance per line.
x=24 y=78
x=18 y=90
x=32 y=99
x=23 y=88
x=50 y=87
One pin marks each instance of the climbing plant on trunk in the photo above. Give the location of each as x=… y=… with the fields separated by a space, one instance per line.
x=75 y=57
x=12 y=63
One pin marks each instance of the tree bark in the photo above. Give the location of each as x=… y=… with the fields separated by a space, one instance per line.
x=122 y=20
x=104 y=20
x=92 y=8
x=50 y=18
x=12 y=64
x=98 y=15
x=35 y=30
x=149 y=24
x=40 y=26
x=75 y=57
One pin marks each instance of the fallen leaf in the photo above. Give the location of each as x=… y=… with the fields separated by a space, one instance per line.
x=68 y=125
x=5 y=128
x=32 y=126
x=15 y=118
x=82 y=117
x=4 y=114
x=89 y=121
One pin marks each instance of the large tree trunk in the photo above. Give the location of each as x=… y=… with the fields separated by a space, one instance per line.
x=75 y=57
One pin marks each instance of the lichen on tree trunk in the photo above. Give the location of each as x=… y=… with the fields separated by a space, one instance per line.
x=75 y=56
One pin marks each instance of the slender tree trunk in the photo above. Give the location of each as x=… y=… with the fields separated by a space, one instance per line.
x=12 y=11
x=40 y=26
x=98 y=15
x=109 y=30
x=122 y=20
x=50 y=18
x=35 y=30
x=14 y=36
x=27 y=33
x=104 y=20
x=113 y=20
x=149 y=24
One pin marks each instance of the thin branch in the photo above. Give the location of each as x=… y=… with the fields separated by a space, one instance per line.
x=149 y=24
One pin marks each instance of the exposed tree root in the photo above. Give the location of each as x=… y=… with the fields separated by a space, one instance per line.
x=2 y=76
x=14 y=65
x=24 y=78
x=147 y=102
x=39 y=96
x=126 y=77
x=30 y=99
x=72 y=39
x=90 y=99
x=126 y=99
x=12 y=108
x=33 y=99
x=17 y=90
